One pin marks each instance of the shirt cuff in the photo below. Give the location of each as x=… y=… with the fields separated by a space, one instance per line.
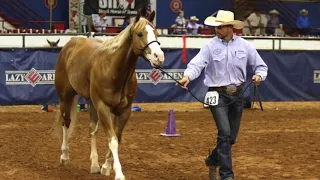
x=186 y=73
x=262 y=77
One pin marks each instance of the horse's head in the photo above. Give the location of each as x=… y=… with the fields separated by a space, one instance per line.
x=52 y=43
x=144 y=39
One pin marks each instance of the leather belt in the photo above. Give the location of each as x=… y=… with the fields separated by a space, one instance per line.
x=230 y=90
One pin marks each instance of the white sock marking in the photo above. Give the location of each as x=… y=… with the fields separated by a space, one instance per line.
x=94 y=153
x=65 y=146
x=113 y=145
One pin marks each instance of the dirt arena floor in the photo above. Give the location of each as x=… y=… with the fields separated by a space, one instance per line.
x=283 y=142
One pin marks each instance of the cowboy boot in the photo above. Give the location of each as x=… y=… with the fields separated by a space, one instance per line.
x=213 y=172
x=229 y=178
x=213 y=169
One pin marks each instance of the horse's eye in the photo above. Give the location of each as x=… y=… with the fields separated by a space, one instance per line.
x=140 y=34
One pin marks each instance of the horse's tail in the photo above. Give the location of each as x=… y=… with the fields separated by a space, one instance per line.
x=73 y=116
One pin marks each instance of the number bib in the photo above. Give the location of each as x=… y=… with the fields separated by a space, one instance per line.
x=212 y=98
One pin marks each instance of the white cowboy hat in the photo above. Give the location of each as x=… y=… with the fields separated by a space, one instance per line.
x=194 y=18
x=273 y=11
x=224 y=18
x=303 y=10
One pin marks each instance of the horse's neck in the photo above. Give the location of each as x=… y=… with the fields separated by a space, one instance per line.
x=124 y=65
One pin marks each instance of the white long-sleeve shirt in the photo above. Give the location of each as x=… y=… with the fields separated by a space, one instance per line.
x=226 y=63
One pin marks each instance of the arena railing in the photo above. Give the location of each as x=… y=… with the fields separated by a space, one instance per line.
x=39 y=40
x=60 y=27
x=280 y=32
x=15 y=26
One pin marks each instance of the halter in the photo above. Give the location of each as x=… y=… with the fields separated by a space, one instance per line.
x=145 y=47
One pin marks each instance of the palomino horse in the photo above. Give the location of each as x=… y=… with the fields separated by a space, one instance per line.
x=104 y=73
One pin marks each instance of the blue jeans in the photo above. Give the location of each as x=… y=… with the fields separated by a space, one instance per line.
x=227 y=119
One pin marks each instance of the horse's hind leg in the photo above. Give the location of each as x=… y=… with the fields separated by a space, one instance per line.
x=118 y=124
x=95 y=168
x=107 y=166
x=66 y=114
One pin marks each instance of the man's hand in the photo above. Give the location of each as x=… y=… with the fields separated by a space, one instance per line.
x=256 y=79
x=184 y=81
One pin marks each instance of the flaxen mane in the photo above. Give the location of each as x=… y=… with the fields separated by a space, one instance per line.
x=114 y=43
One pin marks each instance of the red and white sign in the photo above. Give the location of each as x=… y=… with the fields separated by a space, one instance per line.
x=51 y=4
x=33 y=77
x=176 y=5
x=155 y=75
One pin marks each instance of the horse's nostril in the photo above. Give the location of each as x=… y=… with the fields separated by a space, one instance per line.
x=155 y=55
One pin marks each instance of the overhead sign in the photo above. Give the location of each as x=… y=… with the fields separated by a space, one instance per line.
x=115 y=7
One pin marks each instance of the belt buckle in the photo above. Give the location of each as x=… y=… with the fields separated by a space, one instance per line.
x=231 y=90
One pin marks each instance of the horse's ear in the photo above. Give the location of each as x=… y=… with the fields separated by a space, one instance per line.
x=151 y=16
x=138 y=16
x=48 y=41
x=58 y=41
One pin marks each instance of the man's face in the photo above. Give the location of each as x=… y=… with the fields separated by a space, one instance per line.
x=103 y=14
x=223 y=31
x=181 y=14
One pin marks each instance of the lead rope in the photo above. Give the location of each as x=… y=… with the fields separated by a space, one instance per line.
x=256 y=94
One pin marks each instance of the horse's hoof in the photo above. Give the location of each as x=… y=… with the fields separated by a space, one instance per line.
x=64 y=162
x=122 y=178
x=95 y=169
x=105 y=171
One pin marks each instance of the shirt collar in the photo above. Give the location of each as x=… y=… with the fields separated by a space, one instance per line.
x=234 y=37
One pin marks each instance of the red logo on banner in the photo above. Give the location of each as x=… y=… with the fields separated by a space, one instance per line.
x=33 y=77
x=155 y=76
x=176 y=5
x=53 y=3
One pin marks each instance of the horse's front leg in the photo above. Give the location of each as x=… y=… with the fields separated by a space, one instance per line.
x=95 y=168
x=105 y=117
x=118 y=124
x=121 y=121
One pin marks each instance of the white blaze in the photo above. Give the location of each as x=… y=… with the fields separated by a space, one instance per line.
x=157 y=55
x=151 y=37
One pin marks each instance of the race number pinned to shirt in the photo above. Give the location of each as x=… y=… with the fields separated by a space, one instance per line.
x=212 y=98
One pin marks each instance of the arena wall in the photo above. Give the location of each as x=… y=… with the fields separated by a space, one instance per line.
x=293 y=76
